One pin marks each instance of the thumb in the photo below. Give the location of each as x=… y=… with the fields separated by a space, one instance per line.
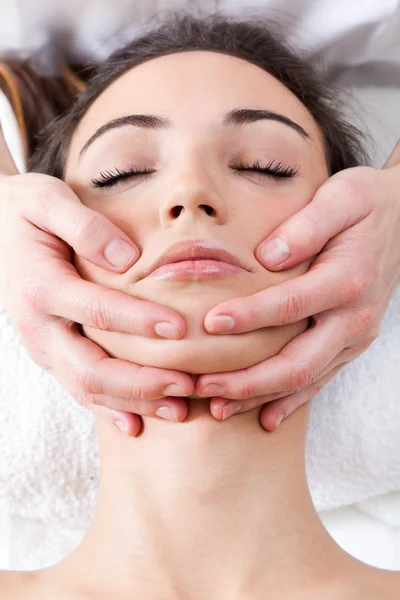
x=334 y=208
x=57 y=210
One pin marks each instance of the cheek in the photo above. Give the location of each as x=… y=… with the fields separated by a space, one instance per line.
x=91 y=272
x=200 y=352
x=137 y=219
x=260 y=213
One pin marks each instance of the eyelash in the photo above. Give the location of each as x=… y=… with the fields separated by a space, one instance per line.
x=273 y=169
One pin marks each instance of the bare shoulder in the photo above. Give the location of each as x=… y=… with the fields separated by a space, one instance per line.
x=36 y=585
x=17 y=585
x=376 y=584
x=369 y=583
x=386 y=585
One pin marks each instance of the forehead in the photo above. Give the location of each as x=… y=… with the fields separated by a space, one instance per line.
x=195 y=87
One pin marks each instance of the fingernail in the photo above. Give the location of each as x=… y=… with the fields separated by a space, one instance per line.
x=279 y=420
x=122 y=426
x=119 y=253
x=212 y=389
x=167 y=412
x=174 y=390
x=221 y=323
x=230 y=409
x=166 y=330
x=275 y=251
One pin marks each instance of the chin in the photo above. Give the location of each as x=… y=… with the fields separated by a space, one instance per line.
x=198 y=352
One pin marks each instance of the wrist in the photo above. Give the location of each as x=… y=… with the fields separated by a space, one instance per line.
x=12 y=159
x=7 y=164
x=394 y=159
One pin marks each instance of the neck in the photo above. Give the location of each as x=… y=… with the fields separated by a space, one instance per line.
x=203 y=509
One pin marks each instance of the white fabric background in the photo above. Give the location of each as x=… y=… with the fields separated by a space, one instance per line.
x=360 y=44
x=352 y=33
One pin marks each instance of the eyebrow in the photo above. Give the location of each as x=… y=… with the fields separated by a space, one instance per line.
x=239 y=116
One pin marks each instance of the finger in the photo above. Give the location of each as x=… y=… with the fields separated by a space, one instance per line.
x=172 y=409
x=340 y=361
x=323 y=287
x=336 y=206
x=68 y=296
x=127 y=423
x=222 y=409
x=85 y=369
x=292 y=369
x=272 y=414
x=58 y=210
x=131 y=381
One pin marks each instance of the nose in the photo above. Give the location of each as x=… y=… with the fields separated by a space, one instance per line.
x=192 y=197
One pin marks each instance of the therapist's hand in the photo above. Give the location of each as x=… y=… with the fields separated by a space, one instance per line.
x=353 y=224
x=41 y=222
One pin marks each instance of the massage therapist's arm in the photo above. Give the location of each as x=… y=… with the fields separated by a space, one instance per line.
x=7 y=165
x=45 y=297
x=394 y=158
x=352 y=226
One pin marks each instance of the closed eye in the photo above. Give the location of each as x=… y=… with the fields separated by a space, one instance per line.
x=276 y=170
x=108 y=179
x=271 y=169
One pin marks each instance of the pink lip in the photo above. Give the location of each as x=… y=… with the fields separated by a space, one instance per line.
x=188 y=269
x=195 y=258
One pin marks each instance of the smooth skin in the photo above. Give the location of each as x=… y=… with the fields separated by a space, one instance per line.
x=353 y=221
x=201 y=509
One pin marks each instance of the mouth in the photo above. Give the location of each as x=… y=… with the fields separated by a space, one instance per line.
x=196 y=259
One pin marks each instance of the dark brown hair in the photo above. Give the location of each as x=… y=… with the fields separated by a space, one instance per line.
x=36 y=100
x=251 y=40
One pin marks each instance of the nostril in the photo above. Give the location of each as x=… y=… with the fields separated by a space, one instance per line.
x=176 y=211
x=209 y=210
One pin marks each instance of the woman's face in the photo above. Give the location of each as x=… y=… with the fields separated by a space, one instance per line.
x=195 y=149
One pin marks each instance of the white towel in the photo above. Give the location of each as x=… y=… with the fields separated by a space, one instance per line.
x=49 y=461
x=49 y=453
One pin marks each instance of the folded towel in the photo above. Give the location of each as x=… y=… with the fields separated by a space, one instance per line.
x=49 y=452
x=49 y=463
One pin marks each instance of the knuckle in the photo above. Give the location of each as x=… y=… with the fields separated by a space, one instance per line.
x=300 y=377
x=142 y=389
x=85 y=382
x=362 y=321
x=290 y=307
x=365 y=343
x=89 y=226
x=83 y=399
x=44 y=197
x=247 y=388
x=33 y=291
x=134 y=406
x=133 y=391
x=344 y=188
x=98 y=311
x=312 y=230
x=136 y=391
x=356 y=286
x=27 y=330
